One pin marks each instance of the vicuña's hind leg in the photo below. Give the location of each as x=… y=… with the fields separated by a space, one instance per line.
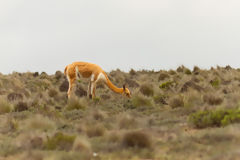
x=89 y=90
x=94 y=89
x=71 y=85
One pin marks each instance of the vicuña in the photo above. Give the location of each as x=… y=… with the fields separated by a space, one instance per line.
x=96 y=74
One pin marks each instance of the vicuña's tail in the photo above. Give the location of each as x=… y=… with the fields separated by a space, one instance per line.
x=65 y=70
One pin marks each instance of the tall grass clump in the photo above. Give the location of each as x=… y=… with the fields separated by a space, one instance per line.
x=147 y=90
x=76 y=103
x=59 y=141
x=137 y=139
x=140 y=100
x=5 y=106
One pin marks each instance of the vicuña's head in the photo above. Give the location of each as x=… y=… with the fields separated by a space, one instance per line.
x=126 y=91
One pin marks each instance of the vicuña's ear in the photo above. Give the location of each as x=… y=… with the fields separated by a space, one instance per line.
x=124 y=87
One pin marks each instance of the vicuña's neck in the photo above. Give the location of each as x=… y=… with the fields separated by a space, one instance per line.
x=112 y=86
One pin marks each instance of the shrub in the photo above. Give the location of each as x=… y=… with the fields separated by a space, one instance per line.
x=131 y=83
x=190 y=84
x=163 y=76
x=59 y=141
x=75 y=103
x=80 y=92
x=166 y=85
x=21 y=106
x=176 y=102
x=127 y=122
x=82 y=144
x=52 y=92
x=139 y=101
x=215 y=83
x=38 y=122
x=147 y=90
x=196 y=69
x=132 y=72
x=187 y=71
x=214 y=118
x=137 y=139
x=212 y=99
x=64 y=86
x=172 y=72
x=14 y=96
x=5 y=106
x=58 y=75
x=160 y=99
x=95 y=131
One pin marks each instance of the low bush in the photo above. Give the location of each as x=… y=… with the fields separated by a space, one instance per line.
x=5 y=106
x=75 y=103
x=163 y=76
x=52 y=92
x=136 y=139
x=212 y=99
x=95 y=131
x=147 y=90
x=176 y=102
x=139 y=101
x=166 y=85
x=214 y=118
x=215 y=83
x=59 y=141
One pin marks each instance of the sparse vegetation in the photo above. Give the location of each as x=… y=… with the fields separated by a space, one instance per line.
x=215 y=118
x=175 y=114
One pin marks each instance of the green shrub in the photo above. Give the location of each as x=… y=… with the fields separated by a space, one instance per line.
x=187 y=71
x=59 y=141
x=214 y=118
x=5 y=106
x=215 y=83
x=166 y=85
x=147 y=90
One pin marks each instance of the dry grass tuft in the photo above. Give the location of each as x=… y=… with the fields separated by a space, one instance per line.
x=14 y=96
x=76 y=103
x=163 y=76
x=82 y=144
x=38 y=122
x=137 y=139
x=60 y=141
x=127 y=122
x=52 y=92
x=5 y=106
x=147 y=90
x=176 y=102
x=212 y=99
x=95 y=130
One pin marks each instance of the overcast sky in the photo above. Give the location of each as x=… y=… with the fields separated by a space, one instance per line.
x=46 y=35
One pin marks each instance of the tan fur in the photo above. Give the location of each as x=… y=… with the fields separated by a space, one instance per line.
x=95 y=73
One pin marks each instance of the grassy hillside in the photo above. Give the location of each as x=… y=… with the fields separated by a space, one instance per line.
x=179 y=114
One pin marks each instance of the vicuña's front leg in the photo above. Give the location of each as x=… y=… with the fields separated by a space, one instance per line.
x=71 y=85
